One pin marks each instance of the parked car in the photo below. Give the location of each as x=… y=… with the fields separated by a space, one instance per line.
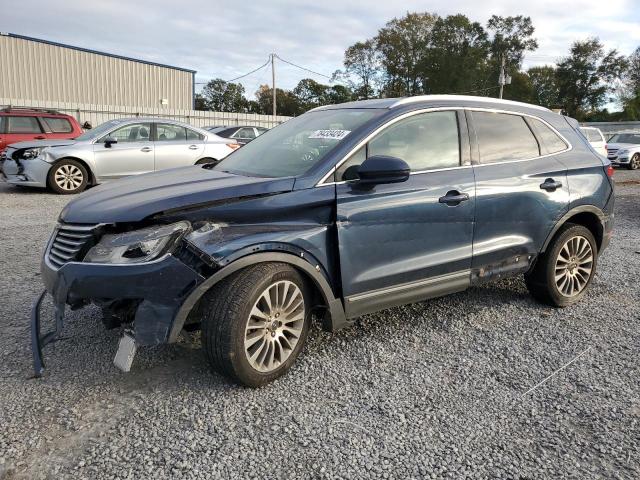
x=596 y=139
x=115 y=149
x=623 y=149
x=21 y=124
x=241 y=134
x=344 y=210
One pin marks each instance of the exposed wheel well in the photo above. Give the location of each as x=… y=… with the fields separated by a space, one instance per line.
x=204 y=160
x=92 y=179
x=592 y=222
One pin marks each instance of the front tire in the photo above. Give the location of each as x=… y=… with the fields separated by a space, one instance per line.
x=256 y=322
x=634 y=163
x=67 y=177
x=562 y=273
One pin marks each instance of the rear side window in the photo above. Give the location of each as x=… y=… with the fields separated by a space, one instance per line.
x=58 y=125
x=550 y=141
x=504 y=137
x=191 y=135
x=23 y=125
x=167 y=132
x=245 y=133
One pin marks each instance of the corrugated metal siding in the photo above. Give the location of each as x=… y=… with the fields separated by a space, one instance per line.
x=39 y=71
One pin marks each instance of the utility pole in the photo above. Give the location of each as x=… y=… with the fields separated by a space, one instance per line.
x=501 y=79
x=273 y=82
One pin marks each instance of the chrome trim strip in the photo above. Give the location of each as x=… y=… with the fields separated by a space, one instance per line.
x=323 y=181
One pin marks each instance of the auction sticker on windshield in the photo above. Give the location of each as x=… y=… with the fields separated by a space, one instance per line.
x=330 y=134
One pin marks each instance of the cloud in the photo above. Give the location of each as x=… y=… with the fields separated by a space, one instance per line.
x=226 y=39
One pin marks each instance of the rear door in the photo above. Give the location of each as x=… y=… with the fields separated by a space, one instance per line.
x=20 y=128
x=402 y=242
x=57 y=127
x=131 y=155
x=176 y=146
x=521 y=190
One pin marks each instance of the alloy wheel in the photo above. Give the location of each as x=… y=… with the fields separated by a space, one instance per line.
x=274 y=326
x=68 y=177
x=574 y=266
x=635 y=161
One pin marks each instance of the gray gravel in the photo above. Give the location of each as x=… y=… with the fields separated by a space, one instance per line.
x=430 y=390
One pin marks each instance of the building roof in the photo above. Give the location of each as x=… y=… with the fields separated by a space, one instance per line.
x=95 y=52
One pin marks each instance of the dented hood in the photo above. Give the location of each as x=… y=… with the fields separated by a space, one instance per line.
x=135 y=198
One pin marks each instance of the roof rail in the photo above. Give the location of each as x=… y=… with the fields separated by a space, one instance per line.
x=11 y=108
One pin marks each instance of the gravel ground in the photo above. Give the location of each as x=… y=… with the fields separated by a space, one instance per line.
x=430 y=390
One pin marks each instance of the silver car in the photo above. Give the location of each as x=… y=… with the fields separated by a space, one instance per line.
x=114 y=149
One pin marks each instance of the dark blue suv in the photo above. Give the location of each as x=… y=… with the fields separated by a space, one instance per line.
x=345 y=210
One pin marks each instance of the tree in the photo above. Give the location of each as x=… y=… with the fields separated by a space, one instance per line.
x=586 y=76
x=456 y=60
x=545 y=86
x=403 y=45
x=310 y=94
x=222 y=96
x=512 y=36
x=199 y=102
x=630 y=94
x=361 y=60
x=286 y=103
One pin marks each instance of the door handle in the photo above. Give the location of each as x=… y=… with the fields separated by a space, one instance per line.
x=193 y=147
x=145 y=149
x=39 y=137
x=453 y=198
x=550 y=185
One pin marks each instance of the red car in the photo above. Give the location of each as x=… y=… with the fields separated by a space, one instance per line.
x=22 y=124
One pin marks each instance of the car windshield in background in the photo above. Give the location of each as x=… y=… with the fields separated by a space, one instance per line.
x=294 y=147
x=625 y=138
x=99 y=130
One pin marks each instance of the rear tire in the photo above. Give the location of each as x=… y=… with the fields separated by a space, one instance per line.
x=634 y=163
x=67 y=177
x=255 y=323
x=564 y=271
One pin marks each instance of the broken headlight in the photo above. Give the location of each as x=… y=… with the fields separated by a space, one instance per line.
x=32 y=152
x=137 y=246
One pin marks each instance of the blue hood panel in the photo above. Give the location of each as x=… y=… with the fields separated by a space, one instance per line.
x=135 y=198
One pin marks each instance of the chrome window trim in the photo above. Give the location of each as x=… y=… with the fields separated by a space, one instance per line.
x=364 y=141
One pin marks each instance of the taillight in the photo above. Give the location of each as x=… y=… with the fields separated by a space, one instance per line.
x=233 y=146
x=610 y=170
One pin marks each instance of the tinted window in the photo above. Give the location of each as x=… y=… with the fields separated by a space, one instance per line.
x=135 y=132
x=167 y=132
x=426 y=141
x=23 y=125
x=625 y=138
x=550 y=141
x=58 y=125
x=191 y=135
x=504 y=137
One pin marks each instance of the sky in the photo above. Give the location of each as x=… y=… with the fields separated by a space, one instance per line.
x=226 y=39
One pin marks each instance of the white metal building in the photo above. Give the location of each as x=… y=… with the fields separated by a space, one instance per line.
x=40 y=70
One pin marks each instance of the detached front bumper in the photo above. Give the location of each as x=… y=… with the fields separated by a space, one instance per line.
x=29 y=173
x=157 y=289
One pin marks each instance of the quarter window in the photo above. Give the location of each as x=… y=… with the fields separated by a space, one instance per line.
x=504 y=137
x=426 y=141
x=191 y=135
x=550 y=142
x=135 y=132
x=23 y=125
x=245 y=133
x=58 y=125
x=167 y=132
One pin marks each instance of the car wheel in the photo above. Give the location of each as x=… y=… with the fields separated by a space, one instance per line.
x=67 y=177
x=634 y=163
x=255 y=323
x=207 y=161
x=563 y=273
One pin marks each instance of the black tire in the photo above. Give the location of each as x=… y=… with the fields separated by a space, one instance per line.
x=634 y=163
x=67 y=177
x=206 y=161
x=226 y=314
x=541 y=280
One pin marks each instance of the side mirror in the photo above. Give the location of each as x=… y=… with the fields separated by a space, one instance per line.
x=380 y=169
x=109 y=141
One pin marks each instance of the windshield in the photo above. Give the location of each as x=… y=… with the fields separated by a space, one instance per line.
x=626 y=138
x=99 y=130
x=294 y=147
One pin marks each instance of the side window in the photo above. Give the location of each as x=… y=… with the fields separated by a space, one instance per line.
x=245 y=133
x=135 y=132
x=23 y=125
x=167 y=132
x=550 y=141
x=503 y=137
x=2 y=124
x=192 y=136
x=58 y=125
x=426 y=141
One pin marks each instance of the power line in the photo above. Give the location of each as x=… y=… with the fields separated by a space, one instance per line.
x=301 y=68
x=241 y=76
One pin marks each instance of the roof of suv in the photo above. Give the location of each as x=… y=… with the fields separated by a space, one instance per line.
x=31 y=112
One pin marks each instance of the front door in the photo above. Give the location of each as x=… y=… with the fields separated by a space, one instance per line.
x=408 y=241
x=131 y=155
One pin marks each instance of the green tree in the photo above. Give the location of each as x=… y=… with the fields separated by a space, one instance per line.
x=199 y=102
x=222 y=96
x=630 y=94
x=545 y=86
x=403 y=44
x=310 y=94
x=286 y=102
x=362 y=62
x=586 y=76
